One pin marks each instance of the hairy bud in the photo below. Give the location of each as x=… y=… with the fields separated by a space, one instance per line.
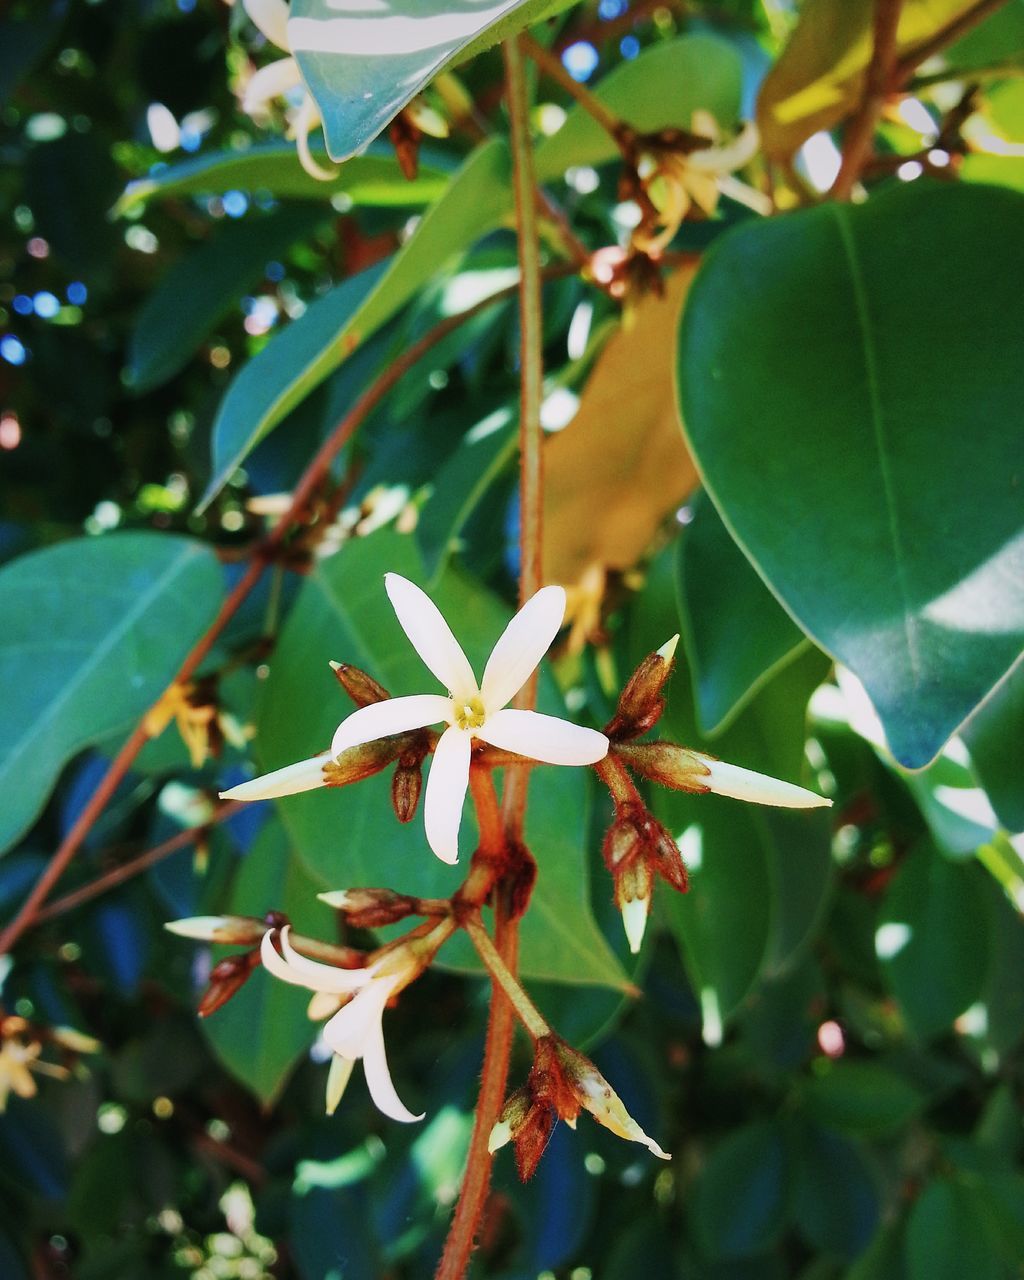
x=406 y=785
x=636 y=848
x=371 y=908
x=640 y=703
x=361 y=762
x=226 y=978
x=667 y=764
x=241 y=931
x=360 y=687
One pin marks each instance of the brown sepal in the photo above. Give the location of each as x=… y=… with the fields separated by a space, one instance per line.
x=227 y=977
x=360 y=687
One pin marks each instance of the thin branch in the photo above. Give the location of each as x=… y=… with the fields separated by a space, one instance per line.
x=262 y=554
x=527 y=1012
x=908 y=64
x=552 y=67
x=860 y=131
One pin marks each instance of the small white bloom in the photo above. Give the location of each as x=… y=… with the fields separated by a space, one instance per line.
x=356 y=1032
x=470 y=710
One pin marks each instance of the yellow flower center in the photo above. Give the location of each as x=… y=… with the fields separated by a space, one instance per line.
x=469 y=713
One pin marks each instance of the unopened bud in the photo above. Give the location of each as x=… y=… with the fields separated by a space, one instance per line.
x=242 y=931
x=640 y=703
x=664 y=762
x=598 y=1097
x=226 y=978
x=634 y=920
x=623 y=840
x=360 y=687
x=511 y=1120
x=406 y=785
x=686 y=770
x=371 y=908
x=362 y=761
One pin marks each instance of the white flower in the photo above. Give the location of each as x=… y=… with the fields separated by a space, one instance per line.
x=356 y=1031
x=470 y=711
x=280 y=79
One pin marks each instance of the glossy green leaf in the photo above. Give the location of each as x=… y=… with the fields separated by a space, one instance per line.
x=662 y=87
x=989 y=735
x=351 y=836
x=739 y=1201
x=363 y=67
x=836 y=1196
x=273 y=167
x=933 y=939
x=860 y=1097
x=298 y=359
x=842 y=484
x=735 y=632
x=199 y=290
x=819 y=78
x=947 y=1238
x=263 y=1030
x=93 y=632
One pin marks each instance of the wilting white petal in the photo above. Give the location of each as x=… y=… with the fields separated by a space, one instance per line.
x=378 y=1078
x=446 y=792
x=271 y=18
x=634 y=921
x=745 y=784
x=431 y=636
x=521 y=646
x=272 y=81
x=308 y=119
x=540 y=737
x=301 y=972
x=337 y=1079
x=734 y=155
x=289 y=781
x=394 y=715
x=347 y=1031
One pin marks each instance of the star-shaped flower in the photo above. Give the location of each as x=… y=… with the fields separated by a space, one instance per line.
x=356 y=1031
x=470 y=711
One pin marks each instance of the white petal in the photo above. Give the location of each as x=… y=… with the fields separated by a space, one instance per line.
x=308 y=119
x=540 y=737
x=337 y=1079
x=271 y=18
x=378 y=1079
x=347 y=1031
x=634 y=921
x=288 y=781
x=431 y=636
x=382 y=719
x=270 y=82
x=521 y=646
x=745 y=784
x=446 y=792
x=307 y=973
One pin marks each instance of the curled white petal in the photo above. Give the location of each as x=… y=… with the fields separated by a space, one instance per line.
x=521 y=646
x=302 y=972
x=289 y=781
x=734 y=155
x=271 y=18
x=272 y=81
x=394 y=715
x=546 y=738
x=306 y=120
x=378 y=1078
x=431 y=636
x=745 y=784
x=446 y=792
x=337 y=1080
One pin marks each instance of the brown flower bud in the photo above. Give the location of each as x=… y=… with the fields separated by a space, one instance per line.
x=406 y=786
x=239 y=931
x=640 y=703
x=667 y=764
x=227 y=977
x=361 y=762
x=360 y=687
x=371 y=908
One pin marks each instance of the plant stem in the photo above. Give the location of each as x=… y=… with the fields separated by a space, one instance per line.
x=615 y=776
x=528 y=1013
x=552 y=67
x=908 y=64
x=262 y=554
x=877 y=80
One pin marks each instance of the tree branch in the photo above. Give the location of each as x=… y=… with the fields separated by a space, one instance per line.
x=860 y=131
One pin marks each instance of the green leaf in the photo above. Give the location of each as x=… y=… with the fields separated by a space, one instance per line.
x=735 y=632
x=371 y=179
x=989 y=735
x=739 y=1202
x=198 y=290
x=947 y=1238
x=94 y=631
x=835 y=1200
x=363 y=68
x=350 y=836
x=934 y=939
x=663 y=86
x=819 y=77
x=263 y=1030
x=298 y=359
x=841 y=486
x=860 y=1098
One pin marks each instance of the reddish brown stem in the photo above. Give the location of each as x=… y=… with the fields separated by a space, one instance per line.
x=908 y=64
x=877 y=79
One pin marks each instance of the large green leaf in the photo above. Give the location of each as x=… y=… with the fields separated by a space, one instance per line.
x=262 y=1031
x=948 y=1238
x=820 y=76
x=273 y=167
x=93 y=632
x=662 y=87
x=351 y=837
x=735 y=632
x=990 y=734
x=740 y=1199
x=861 y=1098
x=198 y=290
x=301 y=356
x=363 y=67
x=834 y=446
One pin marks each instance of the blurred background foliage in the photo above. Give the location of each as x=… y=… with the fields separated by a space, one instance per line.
x=828 y=1037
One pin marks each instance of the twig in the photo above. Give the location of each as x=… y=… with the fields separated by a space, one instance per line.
x=590 y=102
x=908 y=64
x=877 y=80
x=528 y=1013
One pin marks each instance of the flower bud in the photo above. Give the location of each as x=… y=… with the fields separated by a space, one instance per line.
x=361 y=762
x=686 y=770
x=511 y=1120
x=242 y=931
x=595 y=1094
x=371 y=908
x=667 y=764
x=633 y=890
x=226 y=978
x=360 y=687
x=406 y=785
x=640 y=703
